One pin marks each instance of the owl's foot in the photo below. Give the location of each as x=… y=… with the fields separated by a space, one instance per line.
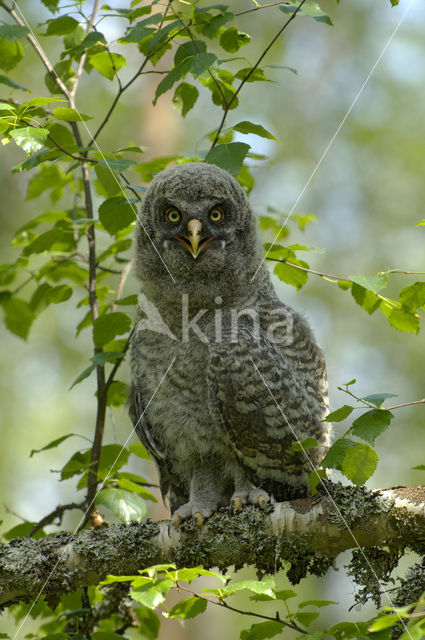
x=198 y=512
x=248 y=495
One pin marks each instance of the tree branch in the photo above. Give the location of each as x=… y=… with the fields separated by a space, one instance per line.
x=308 y=533
x=80 y=68
x=251 y=71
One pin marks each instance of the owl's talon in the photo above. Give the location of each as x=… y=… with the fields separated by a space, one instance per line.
x=175 y=522
x=262 y=501
x=236 y=504
x=198 y=519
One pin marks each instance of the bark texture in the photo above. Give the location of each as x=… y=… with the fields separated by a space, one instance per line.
x=308 y=534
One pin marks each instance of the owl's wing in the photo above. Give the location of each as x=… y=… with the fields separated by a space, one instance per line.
x=269 y=395
x=168 y=482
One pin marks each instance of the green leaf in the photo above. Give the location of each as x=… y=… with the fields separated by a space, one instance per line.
x=152 y=592
x=403 y=320
x=107 y=64
x=108 y=326
x=18 y=316
x=375 y=284
x=284 y=594
x=378 y=398
x=314 y=478
x=249 y=75
x=189 y=608
x=232 y=39
x=77 y=463
x=185 y=97
x=228 y=156
x=368 y=300
x=311 y=9
x=29 y=138
x=112 y=458
x=61 y=293
x=340 y=414
x=99 y=635
x=202 y=62
x=108 y=179
x=117 y=394
x=304 y=445
x=262 y=630
x=52 y=5
x=213 y=25
x=189 y=574
x=384 y=622
x=336 y=453
x=52 y=444
x=115 y=214
x=5 y=106
x=295 y=277
x=249 y=127
x=349 y=630
x=419 y=467
x=150 y=623
x=60 y=26
x=124 y=505
x=265 y=586
x=371 y=424
x=65 y=72
x=413 y=296
x=142 y=29
x=116 y=164
x=134 y=487
x=83 y=375
x=306 y=617
x=55 y=240
x=316 y=603
x=359 y=463
x=7 y=274
x=13 y=31
x=48 y=178
x=69 y=115
x=139 y=450
x=62 y=136
x=22 y=530
x=10 y=54
x=106 y=356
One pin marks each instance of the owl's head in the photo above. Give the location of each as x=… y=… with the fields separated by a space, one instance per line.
x=197 y=219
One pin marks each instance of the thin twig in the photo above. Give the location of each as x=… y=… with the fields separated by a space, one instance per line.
x=124 y=275
x=222 y=603
x=327 y=276
x=138 y=73
x=405 y=404
x=71 y=155
x=263 y=6
x=117 y=364
x=56 y=513
x=251 y=71
x=38 y=50
x=129 y=186
x=79 y=71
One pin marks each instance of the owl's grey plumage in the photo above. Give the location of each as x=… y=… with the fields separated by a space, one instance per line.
x=247 y=378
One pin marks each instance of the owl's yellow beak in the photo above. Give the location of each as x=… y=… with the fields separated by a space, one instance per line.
x=192 y=239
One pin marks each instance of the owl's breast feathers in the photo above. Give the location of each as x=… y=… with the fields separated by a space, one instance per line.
x=241 y=401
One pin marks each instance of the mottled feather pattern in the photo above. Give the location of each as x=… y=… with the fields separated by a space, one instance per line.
x=214 y=427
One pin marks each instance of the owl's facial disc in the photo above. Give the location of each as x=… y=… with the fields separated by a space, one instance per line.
x=192 y=241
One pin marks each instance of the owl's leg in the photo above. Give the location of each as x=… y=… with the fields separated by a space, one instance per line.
x=246 y=493
x=207 y=492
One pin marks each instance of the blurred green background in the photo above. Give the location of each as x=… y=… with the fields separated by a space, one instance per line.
x=368 y=196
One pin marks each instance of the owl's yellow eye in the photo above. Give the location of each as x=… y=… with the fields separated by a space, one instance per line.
x=173 y=215
x=216 y=215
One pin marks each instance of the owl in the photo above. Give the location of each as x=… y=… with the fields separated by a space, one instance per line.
x=227 y=380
